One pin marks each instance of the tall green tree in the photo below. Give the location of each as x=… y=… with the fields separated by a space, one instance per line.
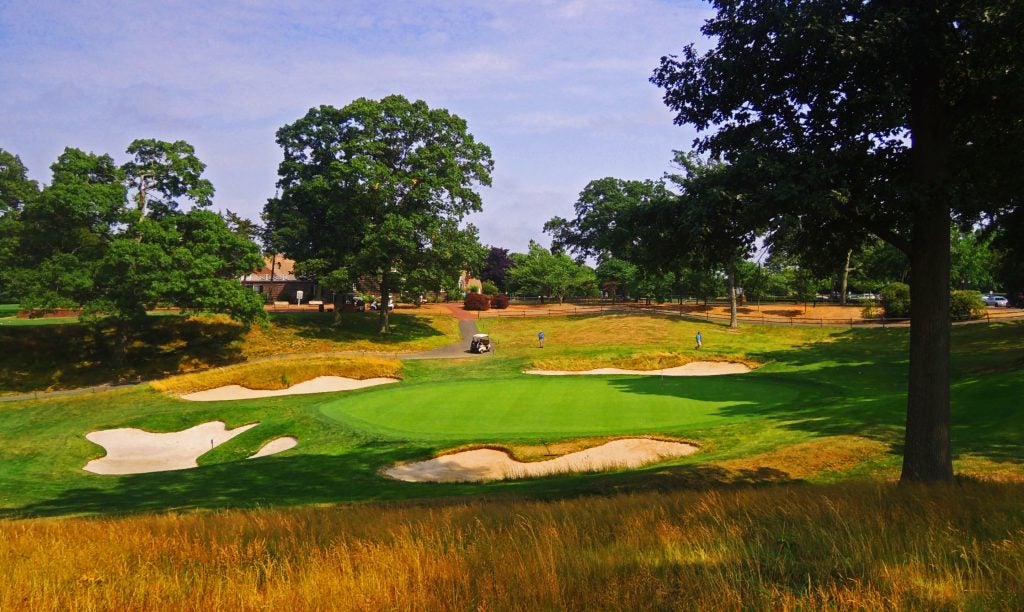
x=453 y=250
x=84 y=245
x=613 y=219
x=712 y=223
x=364 y=186
x=891 y=117
x=541 y=272
x=160 y=173
x=16 y=190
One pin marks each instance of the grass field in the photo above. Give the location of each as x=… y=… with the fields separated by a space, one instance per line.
x=788 y=504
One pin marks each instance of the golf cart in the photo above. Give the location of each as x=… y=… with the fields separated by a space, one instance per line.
x=481 y=344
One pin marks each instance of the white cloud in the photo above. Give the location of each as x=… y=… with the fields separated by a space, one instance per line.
x=557 y=89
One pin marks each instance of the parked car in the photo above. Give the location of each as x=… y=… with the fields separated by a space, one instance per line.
x=995 y=300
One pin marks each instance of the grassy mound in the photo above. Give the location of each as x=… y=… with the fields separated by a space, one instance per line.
x=281 y=373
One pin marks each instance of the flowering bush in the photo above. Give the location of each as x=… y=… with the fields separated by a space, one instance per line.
x=476 y=301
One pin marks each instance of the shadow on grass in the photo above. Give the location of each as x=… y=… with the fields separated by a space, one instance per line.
x=856 y=384
x=77 y=355
x=354 y=325
x=352 y=477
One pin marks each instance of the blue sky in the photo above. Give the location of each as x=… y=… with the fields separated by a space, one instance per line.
x=558 y=90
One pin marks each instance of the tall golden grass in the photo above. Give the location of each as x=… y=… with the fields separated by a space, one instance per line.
x=281 y=373
x=860 y=546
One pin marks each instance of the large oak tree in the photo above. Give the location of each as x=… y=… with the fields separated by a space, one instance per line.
x=371 y=186
x=883 y=117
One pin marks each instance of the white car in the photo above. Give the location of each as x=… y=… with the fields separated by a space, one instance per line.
x=995 y=300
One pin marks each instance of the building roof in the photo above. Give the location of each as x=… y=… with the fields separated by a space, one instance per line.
x=275 y=268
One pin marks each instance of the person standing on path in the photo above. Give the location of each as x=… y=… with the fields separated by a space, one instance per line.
x=540 y=339
x=700 y=340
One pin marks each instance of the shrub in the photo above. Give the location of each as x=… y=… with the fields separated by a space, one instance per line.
x=489 y=288
x=896 y=300
x=499 y=301
x=871 y=312
x=965 y=305
x=476 y=301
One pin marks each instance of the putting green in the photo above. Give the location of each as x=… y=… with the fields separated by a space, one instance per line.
x=530 y=406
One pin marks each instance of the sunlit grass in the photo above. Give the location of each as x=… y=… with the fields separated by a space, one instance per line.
x=312 y=332
x=856 y=545
x=281 y=373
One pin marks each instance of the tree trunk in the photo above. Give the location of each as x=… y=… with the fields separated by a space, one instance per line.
x=337 y=310
x=385 y=298
x=733 y=320
x=927 y=453
x=120 y=351
x=846 y=278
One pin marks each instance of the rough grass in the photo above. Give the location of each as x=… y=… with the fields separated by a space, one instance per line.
x=281 y=373
x=851 y=546
x=64 y=354
x=314 y=332
x=640 y=361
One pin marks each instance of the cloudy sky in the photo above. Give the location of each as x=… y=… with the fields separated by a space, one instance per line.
x=557 y=89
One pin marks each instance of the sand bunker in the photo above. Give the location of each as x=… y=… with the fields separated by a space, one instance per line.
x=695 y=368
x=487 y=464
x=134 y=451
x=320 y=384
x=277 y=445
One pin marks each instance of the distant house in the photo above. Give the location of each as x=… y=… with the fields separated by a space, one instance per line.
x=467 y=283
x=276 y=281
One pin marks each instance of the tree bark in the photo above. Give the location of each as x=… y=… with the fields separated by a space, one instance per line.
x=846 y=278
x=927 y=452
x=385 y=298
x=733 y=320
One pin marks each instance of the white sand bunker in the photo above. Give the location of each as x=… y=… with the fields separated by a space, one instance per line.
x=134 y=451
x=320 y=384
x=488 y=464
x=277 y=445
x=694 y=368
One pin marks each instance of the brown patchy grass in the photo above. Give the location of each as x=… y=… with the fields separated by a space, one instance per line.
x=639 y=361
x=281 y=373
x=982 y=468
x=835 y=454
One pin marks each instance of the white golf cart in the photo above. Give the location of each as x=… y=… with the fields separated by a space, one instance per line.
x=481 y=343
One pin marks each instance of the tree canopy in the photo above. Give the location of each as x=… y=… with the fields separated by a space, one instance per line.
x=82 y=244
x=541 y=272
x=884 y=117
x=371 y=186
